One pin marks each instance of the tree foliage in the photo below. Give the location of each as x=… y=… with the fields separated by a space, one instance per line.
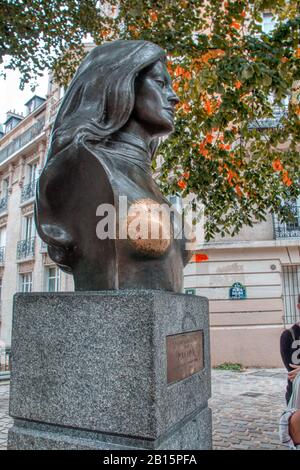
x=236 y=144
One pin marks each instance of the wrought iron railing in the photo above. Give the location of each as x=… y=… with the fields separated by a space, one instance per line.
x=22 y=140
x=2 y=254
x=26 y=248
x=54 y=105
x=3 y=204
x=279 y=112
x=28 y=191
x=290 y=229
x=290 y=291
x=5 y=359
x=44 y=246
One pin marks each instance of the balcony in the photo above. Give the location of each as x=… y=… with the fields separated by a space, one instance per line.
x=28 y=191
x=279 y=112
x=5 y=359
x=3 y=204
x=54 y=105
x=26 y=249
x=2 y=254
x=44 y=247
x=289 y=229
x=22 y=140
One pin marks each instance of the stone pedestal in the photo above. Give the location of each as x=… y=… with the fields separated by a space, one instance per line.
x=102 y=370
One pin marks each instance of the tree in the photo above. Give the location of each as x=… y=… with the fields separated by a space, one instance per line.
x=229 y=149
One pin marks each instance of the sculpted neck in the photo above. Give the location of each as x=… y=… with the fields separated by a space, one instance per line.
x=136 y=129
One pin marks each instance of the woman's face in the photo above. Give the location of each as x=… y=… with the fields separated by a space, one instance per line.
x=155 y=100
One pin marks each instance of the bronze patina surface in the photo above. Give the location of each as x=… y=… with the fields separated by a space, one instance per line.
x=105 y=135
x=185 y=355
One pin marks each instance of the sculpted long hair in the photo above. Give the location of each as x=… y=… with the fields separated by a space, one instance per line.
x=99 y=101
x=100 y=98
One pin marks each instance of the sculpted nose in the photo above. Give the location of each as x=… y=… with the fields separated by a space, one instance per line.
x=173 y=98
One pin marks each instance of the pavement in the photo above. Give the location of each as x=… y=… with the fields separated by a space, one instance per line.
x=5 y=420
x=246 y=409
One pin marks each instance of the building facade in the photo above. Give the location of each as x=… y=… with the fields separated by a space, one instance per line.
x=24 y=263
x=252 y=282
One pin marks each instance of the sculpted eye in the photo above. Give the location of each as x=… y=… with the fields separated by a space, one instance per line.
x=161 y=83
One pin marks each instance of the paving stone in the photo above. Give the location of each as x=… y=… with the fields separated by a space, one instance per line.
x=239 y=421
x=250 y=419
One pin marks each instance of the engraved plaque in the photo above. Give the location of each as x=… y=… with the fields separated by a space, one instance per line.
x=184 y=355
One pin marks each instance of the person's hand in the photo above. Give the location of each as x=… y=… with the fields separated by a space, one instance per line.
x=292 y=375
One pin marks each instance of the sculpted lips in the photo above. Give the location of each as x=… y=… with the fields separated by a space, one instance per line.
x=170 y=110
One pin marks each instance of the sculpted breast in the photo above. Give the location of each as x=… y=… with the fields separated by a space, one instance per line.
x=149 y=227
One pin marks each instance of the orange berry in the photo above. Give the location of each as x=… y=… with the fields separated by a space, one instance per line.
x=186 y=107
x=153 y=15
x=238 y=190
x=202 y=150
x=286 y=180
x=175 y=86
x=277 y=165
x=181 y=184
x=104 y=33
x=224 y=146
x=209 y=138
x=238 y=84
x=208 y=106
x=235 y=25
x=179 y=71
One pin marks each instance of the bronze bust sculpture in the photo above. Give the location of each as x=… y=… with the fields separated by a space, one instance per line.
x=118 y=105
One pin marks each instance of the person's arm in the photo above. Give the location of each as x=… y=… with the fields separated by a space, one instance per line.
x=295 y=370
x=286 y=351
x=294 y=427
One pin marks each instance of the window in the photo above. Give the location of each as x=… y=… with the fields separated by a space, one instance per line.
x=5 y=187
x=61 y=92
x=176 y=201
x=291 y=289
x=32 y=173
x=2 y=244
x=26 y=282
x=31 y=106
x=8 y=127
x=26 y=246
x=2 y=237
x=53 y=279
x=291 y=228
x=28 y=190
x=295 y=210
x=28 y=227
x=268 y=23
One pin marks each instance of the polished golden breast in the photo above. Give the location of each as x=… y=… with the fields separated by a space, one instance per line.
x=149 y=227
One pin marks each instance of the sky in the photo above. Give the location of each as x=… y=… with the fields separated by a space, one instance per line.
x=12 y=98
